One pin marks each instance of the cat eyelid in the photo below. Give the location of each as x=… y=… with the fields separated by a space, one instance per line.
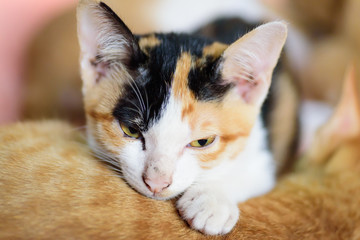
x=128 y=133
x=212 y=138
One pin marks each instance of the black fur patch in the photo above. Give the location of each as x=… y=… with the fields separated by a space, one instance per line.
x=205 y=81
x=225 y=30
x=148 y=94
x=144 y=100
x=270 y=99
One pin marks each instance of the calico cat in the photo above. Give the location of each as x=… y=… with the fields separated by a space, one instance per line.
x=52 y=187
x=180 y=114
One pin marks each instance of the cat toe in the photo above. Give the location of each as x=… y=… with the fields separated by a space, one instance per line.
x=222 y=220
x=208 y=212
x=231 y=221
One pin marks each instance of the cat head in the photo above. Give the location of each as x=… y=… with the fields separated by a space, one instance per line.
x=169 y=107
x=336 y=143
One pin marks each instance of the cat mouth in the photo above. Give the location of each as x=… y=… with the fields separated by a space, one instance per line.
x=142 y=189
x=162 y=196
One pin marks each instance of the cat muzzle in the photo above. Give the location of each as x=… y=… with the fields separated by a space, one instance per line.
x=157 y=185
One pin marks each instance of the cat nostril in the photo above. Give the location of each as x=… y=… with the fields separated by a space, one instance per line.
x=156 y=186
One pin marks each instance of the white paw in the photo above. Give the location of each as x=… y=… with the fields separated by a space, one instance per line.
x=209 y=212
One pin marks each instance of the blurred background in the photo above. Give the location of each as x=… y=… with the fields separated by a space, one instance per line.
x=20 y=21
x=39 y=76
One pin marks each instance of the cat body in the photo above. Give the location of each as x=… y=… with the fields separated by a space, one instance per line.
x=179 y=114
x=52 y=187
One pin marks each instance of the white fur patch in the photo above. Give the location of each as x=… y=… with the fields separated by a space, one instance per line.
x=210 y=198
x=165 y=155
x=161 y=165
x=210 y=205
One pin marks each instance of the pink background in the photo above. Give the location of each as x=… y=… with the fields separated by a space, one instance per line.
x=19 y=22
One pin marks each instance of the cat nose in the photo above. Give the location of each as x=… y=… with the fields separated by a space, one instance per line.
x=157 y=185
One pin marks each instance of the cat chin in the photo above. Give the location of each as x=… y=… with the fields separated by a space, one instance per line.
x=163 y=196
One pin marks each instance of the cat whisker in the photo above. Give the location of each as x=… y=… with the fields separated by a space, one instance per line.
x=79 y=128
x=110 y=164
x=147 y=105
x=137 y=92
x=137 y=110
x=140 y=96
x=134 y=183
x=105 y=157
x=117 y=74
x=100 y=151
x=109 y=174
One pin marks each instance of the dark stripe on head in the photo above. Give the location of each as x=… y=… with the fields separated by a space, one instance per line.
x=226 y=30
x=142 y=102
x=205 y=81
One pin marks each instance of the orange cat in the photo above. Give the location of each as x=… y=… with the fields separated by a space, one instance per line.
x=51 y=187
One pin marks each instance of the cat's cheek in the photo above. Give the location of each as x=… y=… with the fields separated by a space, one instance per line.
x=186 y=173
x=132 y=162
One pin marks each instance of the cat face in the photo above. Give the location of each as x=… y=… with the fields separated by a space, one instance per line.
x=169 y=108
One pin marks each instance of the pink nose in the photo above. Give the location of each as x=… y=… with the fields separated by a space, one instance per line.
x=156 y=185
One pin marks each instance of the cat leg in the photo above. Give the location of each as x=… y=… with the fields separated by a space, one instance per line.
x=210 y=205
x=210 y=211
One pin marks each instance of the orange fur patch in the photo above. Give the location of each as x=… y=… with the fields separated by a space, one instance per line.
x=180 y=80
x=97 y=116
x=148 y=42
x=40 y=190
x=99 y=104
x=231 y=120
x=188 y=109
x=180 y=87
x=215 y=49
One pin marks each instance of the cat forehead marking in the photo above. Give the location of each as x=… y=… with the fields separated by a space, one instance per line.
x=180 y=85
x=148 y=42
x=215 y=49
x=184 y=64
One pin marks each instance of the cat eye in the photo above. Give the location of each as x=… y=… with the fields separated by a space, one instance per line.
x=200 y=143
x=130 y=131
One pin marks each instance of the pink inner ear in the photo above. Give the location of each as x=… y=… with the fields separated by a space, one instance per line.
x=250 y=73
x=249 y=61
x=100 y=69
x=246 y=88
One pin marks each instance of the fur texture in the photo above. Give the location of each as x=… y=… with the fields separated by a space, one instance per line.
x=53 y=188
x=151 y=101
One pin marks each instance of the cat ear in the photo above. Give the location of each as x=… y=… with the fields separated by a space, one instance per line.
x=249 y=62
x=343 y=125
x=106 y=43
